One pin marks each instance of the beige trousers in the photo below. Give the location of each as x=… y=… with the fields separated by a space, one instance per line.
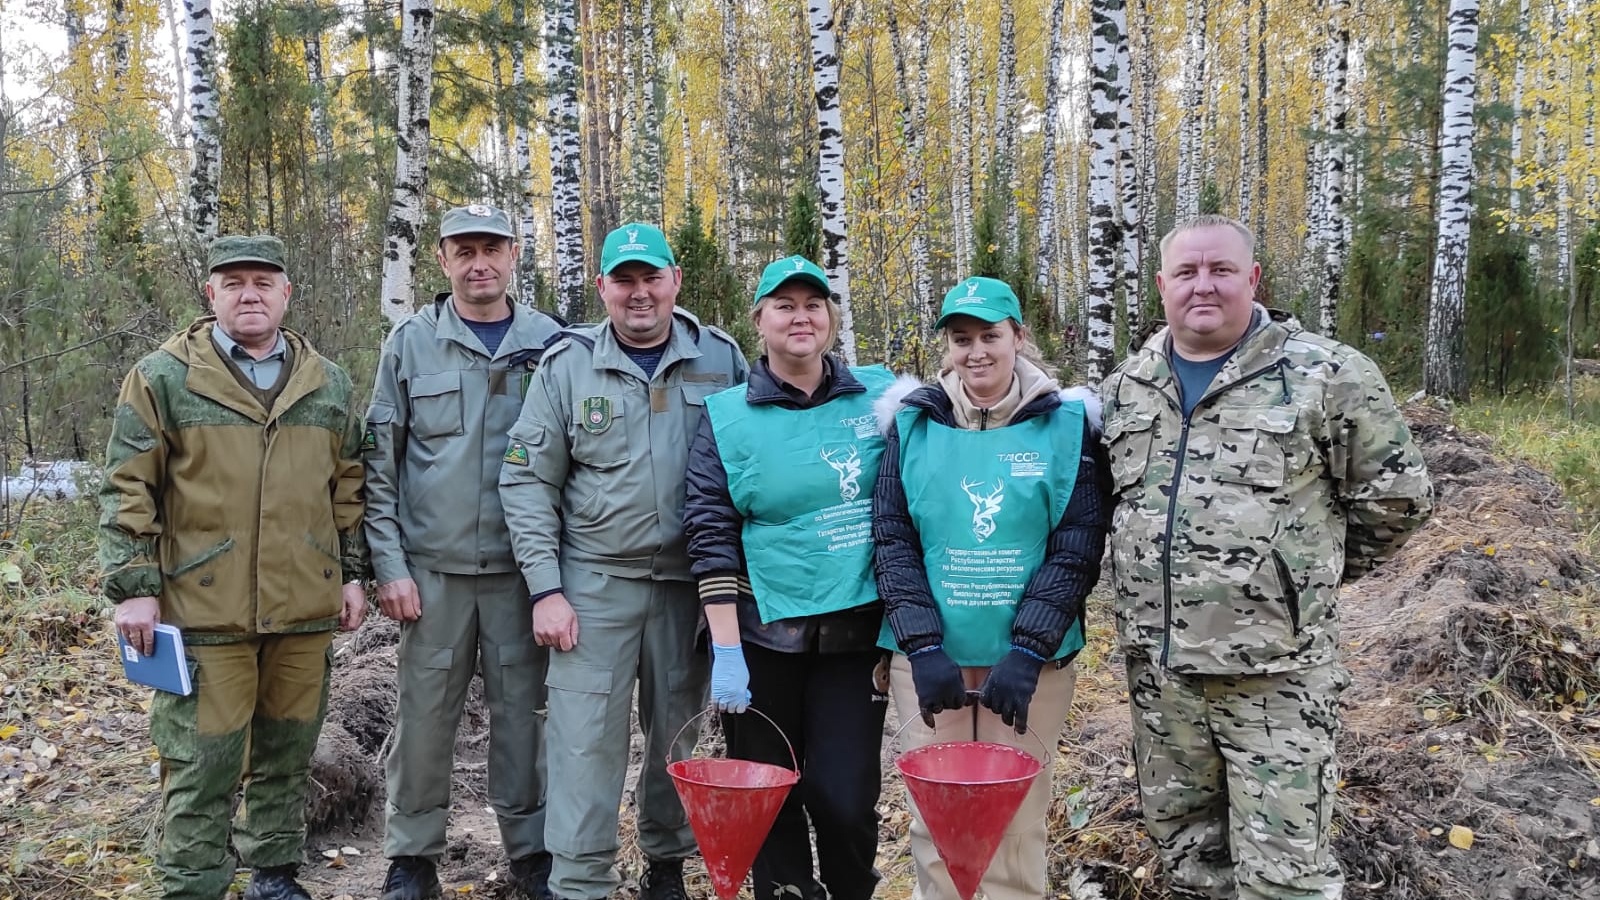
x=1018 y=869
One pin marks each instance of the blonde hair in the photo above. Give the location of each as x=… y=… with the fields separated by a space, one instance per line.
x=1209 y=220
x=1026 y=348
x=835 y=323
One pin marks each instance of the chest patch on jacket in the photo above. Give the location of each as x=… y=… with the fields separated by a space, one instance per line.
x=596 y=413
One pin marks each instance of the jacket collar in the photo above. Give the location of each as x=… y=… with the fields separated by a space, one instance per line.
x=763 y=387
x=208 y=374
x=1261 y=347
x=933 y=400
x=529 y=329
x=682 y=344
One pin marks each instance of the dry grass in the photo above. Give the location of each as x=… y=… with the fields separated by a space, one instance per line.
x=78 y=801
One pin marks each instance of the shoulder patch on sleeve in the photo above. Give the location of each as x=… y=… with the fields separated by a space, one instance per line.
x=516 y=454
x=369 y=440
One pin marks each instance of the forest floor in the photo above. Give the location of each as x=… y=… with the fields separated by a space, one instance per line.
x=1471 y=748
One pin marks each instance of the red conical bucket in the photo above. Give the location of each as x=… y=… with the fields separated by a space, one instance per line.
x=967 y=793
x=731 y=805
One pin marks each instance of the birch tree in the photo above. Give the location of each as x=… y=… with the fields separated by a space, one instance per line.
x=728 y=197
x=1046 y=266
x=830 y=166
x=1100 y=302
x=566 y=195
x=961 y=142
x=1005 y=125
x=1518 y=38
x=414 y=104
x=206 y=172
x=910 y=68
x=1261 y=158
x=1247 y=163
x=1444 y=368
x=1186 y=200
x=1337 y=67
x=1128 y=210
x=647 y=175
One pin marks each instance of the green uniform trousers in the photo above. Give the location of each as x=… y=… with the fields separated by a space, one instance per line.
x=255 y=713
x=629 y=629
x=469 y=623
x=1237 y=778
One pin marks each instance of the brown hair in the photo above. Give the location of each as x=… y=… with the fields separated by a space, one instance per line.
x=1026 y=348
x=835 y=322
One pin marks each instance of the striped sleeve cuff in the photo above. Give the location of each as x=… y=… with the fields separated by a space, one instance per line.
x=724 y=588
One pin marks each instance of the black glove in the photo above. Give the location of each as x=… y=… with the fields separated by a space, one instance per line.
x=1009 y=688
x=938 y=682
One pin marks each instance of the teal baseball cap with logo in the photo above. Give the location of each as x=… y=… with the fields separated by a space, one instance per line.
x=636 y=242
x=787 y=269
x=986 y=299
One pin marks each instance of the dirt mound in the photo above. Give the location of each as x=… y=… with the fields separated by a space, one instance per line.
x=1474 y=703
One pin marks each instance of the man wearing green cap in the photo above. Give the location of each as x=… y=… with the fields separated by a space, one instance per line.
x=593 y=488
x=231 y=508
x=450 y=382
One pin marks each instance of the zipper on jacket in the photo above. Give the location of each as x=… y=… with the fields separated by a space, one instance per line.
x=1291 y=596
x=983 y=420
x=1177 y=482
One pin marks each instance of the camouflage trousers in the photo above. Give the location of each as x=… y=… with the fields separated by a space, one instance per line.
x=1237 y=777
x=255 y=713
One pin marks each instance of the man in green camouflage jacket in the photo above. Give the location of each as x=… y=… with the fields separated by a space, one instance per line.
x=231 y=508
x=1257 y=468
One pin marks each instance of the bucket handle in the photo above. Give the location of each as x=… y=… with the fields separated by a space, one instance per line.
x=972 y=697
x=794 y=760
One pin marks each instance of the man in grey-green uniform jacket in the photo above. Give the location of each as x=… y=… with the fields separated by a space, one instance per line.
x=1257 y=467
x=450 y=383
x=593 y=489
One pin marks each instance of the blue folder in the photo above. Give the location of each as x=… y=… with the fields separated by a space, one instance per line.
x=166 y=669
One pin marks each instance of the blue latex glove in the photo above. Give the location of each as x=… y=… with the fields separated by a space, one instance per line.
x=730 y=679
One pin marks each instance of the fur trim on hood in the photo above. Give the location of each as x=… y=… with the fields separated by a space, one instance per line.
x=1091 y=404
x=890 y=401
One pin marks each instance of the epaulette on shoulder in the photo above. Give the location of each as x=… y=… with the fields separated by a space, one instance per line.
x=722 y=335
x=1308 y=346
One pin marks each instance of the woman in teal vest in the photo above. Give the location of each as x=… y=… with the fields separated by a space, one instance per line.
x=779 y=519
x=989 y=523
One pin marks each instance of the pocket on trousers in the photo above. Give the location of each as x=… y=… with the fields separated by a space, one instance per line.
x=425 y=679
x=174 y=725
x=579 y=679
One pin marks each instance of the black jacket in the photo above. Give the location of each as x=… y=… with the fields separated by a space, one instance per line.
x=1055 y=593
x=716 y=550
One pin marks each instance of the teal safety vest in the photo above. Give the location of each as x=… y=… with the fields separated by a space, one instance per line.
x=802 y=479
x=984 y=504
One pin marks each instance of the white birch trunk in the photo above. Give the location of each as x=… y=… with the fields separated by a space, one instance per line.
x=910 y=71
x=413 y=103
x=566 y=196
x=1103 y=242
x=961 y=143
x=830 y=167
x=179 y=83
x=321 y=127
x=1337 y=67
x=687 y=148
x=1519 y=41
x=1247 y=163
x=206 y=172
x=1186 y=202
x=1149 y=104
x=527 y=236
x=1129 y=211
x=1046 y=265
x=121 y=37
x=649 y=149
x=1261 y=158
x=1444 y=365
x=729 y=195
x=1005 y=121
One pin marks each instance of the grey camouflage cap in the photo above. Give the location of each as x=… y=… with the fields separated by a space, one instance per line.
x=231 y=249
x=478 y=218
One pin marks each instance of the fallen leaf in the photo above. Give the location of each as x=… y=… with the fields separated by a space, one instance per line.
x=1431 y=714
x=6 y=731
x=1126 y=773
x=1580 y=696
x=331 y=854
x=1461 y=837
x=1489 y=550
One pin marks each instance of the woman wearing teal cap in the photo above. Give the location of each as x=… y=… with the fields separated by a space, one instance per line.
x=989 y=524
x=779 y=519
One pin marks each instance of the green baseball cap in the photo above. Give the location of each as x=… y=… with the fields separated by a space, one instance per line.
x=788 y=269
x=478 y=218
x=231 y=249
x=636 y=242
x=987 y=299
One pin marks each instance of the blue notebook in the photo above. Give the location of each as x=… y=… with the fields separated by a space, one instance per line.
x=165 y=670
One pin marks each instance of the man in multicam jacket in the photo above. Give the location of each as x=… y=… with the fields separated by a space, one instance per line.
x=231 y=508
x=1257 y=467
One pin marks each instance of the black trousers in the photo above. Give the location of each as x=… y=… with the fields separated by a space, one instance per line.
x=832 y=710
